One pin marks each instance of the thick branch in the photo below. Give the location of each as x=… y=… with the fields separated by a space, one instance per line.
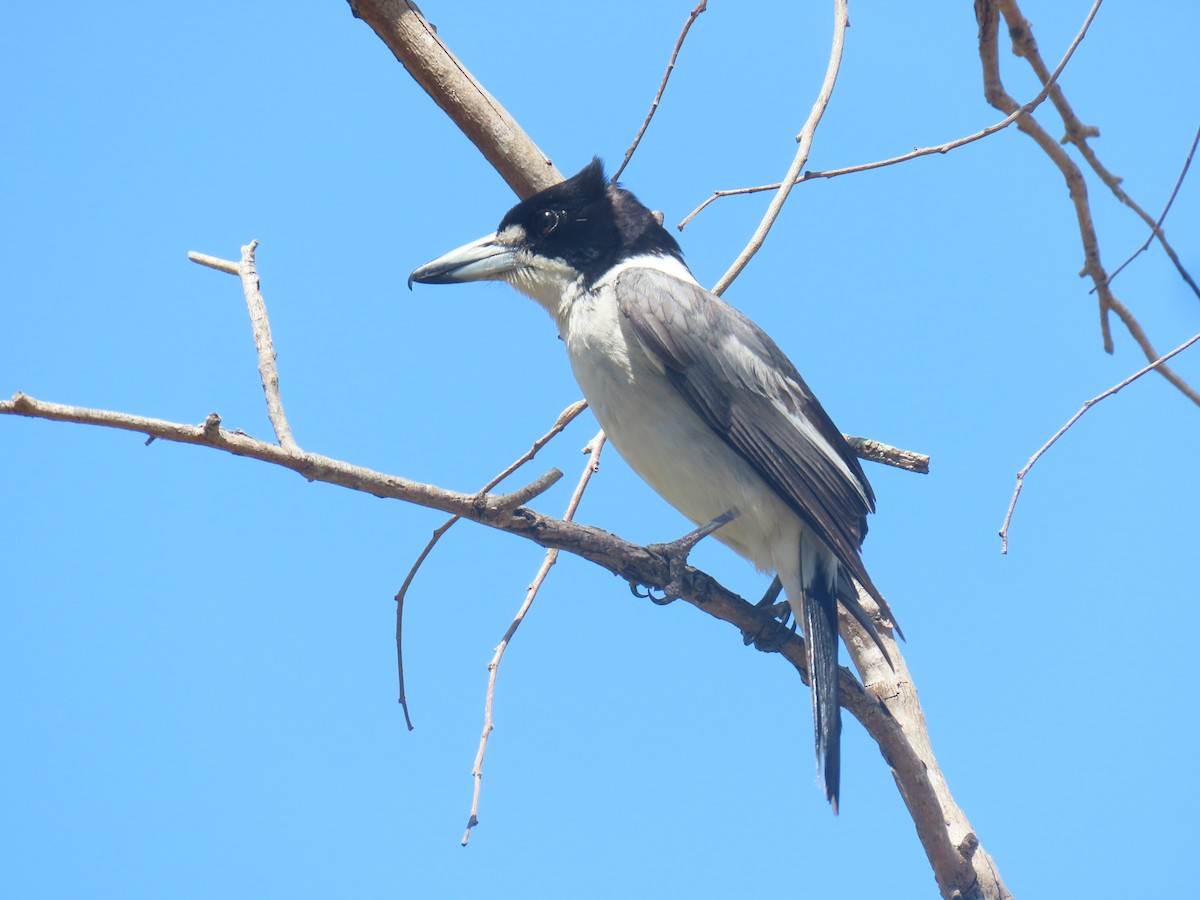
x=485 y=122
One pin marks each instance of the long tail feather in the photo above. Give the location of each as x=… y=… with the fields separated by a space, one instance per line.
x=819 y=582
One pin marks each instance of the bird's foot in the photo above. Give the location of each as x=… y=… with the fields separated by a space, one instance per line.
x=676 y=555
x=771 y=634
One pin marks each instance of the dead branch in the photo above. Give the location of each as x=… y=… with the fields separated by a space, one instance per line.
x=1025 y=46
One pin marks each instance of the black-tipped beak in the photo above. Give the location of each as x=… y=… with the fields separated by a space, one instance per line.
x=481 y=260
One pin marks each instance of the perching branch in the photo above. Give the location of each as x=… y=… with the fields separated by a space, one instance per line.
x=887 y=706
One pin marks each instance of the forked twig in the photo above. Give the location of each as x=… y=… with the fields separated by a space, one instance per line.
x=593 y=464
x=1075 y=418
x=247 y=270
x=564 y=419
x=692 y=16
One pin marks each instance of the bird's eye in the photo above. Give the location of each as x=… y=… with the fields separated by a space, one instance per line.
x=546 y=221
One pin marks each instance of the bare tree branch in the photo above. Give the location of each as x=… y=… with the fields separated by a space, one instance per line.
x=865 y=448
x=887 y=707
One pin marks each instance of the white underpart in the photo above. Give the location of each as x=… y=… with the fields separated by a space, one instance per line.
x=662 y=438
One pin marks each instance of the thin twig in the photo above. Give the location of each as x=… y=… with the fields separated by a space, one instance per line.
x=1156 y=228
x=593 y=464
x=247 y=270
x=1037 y=101
x=692 y=16
x=1075 y=418
x=841 y=21
x=564 y=419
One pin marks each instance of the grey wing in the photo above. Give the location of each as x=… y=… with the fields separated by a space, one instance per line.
x=743 y=386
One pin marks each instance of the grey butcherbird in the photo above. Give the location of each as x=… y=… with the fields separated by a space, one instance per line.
x=698 y=400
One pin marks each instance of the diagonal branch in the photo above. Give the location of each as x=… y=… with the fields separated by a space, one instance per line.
x=415 y=43
x=1012 y=504
x=687 y=26
x=1156 y=227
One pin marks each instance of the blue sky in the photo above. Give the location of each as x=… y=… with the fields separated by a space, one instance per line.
x=196 y=650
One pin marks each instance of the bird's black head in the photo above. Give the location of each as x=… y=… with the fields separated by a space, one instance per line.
x=588 y=223
x=578 y=228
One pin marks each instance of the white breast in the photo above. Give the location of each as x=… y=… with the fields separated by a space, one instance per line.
x=663 y=439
